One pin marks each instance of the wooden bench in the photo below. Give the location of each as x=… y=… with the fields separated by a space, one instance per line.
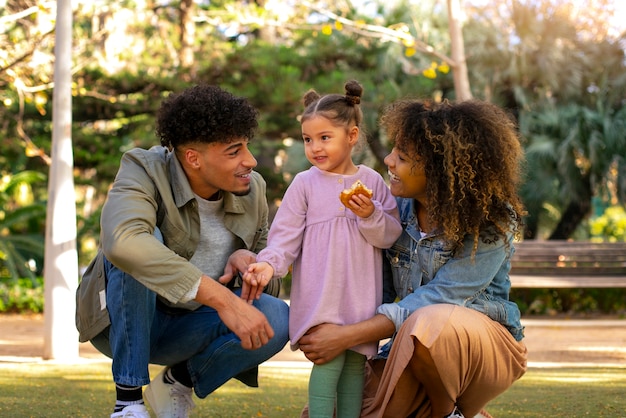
x=568 y=264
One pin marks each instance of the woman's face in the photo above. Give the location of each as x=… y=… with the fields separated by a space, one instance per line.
x=407 y=177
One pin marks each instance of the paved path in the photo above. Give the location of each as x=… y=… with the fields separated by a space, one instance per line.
x=551 y=343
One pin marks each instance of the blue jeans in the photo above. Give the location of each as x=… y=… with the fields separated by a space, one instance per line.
x=144 y=331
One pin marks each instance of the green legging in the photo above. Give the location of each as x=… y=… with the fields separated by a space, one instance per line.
x=341 y=378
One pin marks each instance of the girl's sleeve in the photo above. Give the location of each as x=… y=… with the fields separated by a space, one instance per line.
x=284 y=241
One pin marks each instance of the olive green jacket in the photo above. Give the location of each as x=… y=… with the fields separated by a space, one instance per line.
x=149 y=191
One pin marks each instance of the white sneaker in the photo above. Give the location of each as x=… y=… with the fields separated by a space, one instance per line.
x=169 y=400
x=455 y=414
x=132 y=411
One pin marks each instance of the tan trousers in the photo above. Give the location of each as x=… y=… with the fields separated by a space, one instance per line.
x=476 y=357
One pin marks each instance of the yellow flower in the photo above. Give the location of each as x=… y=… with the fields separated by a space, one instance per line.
x=338 y=25
x=429 y=73
x=409 y=52
x=597 y=226
x=408 y=42
x=31 y=150
x=443 y=68
x=327 y=29
x=40 y=102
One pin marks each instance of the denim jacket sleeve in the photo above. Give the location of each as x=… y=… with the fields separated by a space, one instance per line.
x=458 y=279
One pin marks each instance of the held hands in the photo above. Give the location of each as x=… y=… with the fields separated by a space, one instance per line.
x=238 y=262
x=256 y=277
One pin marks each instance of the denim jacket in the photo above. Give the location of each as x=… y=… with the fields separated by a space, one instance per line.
x=424 y=270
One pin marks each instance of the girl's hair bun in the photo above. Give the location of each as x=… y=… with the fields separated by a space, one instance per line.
x=354 y=90
x=310 y=97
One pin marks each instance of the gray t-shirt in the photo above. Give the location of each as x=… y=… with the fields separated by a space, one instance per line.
x=216 y=244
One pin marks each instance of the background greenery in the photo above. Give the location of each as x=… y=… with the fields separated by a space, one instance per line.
x=558 y=66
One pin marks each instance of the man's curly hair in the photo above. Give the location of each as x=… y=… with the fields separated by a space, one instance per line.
x=204 y=114
x=472 y=157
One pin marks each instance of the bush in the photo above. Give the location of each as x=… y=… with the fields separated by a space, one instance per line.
x=22 y=295
x=26 y=296
x=587 y=302
x=610 y=226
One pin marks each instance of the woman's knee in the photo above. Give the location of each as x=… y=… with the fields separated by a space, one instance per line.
x=422 y=363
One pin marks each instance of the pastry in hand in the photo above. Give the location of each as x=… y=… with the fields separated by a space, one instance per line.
x=357 y=188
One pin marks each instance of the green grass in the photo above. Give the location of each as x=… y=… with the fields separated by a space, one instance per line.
x=564 y=392
x=86 y=390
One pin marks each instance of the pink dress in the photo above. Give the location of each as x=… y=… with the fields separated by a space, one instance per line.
x=336 y=255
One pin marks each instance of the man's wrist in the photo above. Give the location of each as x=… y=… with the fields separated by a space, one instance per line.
x=212 y=293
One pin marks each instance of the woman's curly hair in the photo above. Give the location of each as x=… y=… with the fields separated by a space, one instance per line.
x=472 y=157
x=205 y=114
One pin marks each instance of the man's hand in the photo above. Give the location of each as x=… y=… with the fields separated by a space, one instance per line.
x=237 y=263
x=243 y=319
x=248 y=323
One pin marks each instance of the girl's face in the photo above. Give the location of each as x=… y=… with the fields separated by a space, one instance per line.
x=329 y=147
x=407 y=177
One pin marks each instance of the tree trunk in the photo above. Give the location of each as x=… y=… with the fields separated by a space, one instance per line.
x=459 y=71
x=575 y=212
x=573 y=215
x=187 y=36
x=61 y=257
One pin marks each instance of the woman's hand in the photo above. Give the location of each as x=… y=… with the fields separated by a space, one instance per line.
x=323 y=342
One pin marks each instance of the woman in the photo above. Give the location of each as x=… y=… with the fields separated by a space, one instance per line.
x=456 y=336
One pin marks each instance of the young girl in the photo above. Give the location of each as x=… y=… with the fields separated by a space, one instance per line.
x=335 y=249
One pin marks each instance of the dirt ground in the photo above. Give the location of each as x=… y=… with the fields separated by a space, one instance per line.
x=550 y=342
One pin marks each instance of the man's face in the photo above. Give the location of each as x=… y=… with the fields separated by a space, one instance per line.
x=219 y=166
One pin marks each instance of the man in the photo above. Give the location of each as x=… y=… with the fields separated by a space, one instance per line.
x=180 y=222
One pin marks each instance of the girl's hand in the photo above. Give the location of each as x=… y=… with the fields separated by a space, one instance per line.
x=255 y=278
x=361 y=205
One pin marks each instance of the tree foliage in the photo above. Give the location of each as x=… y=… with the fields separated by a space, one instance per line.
x=555 y=66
